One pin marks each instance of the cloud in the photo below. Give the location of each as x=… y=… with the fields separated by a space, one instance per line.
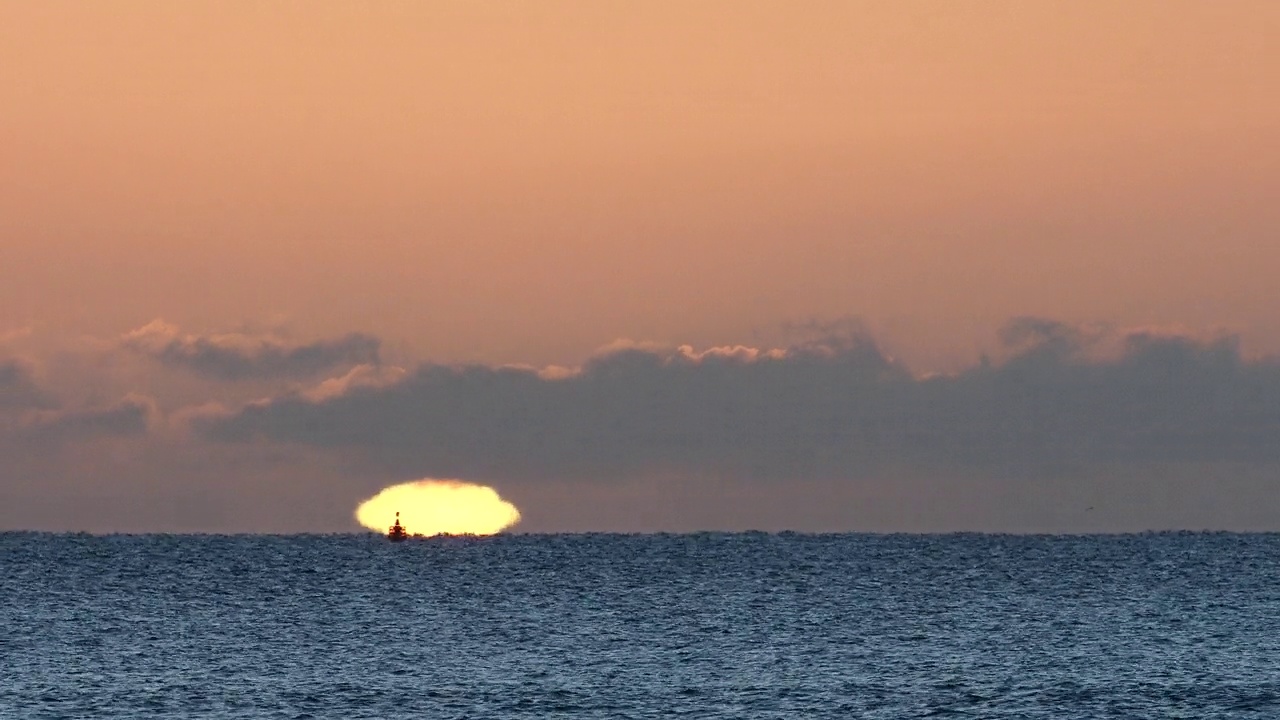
x=1154 y=428
x=18 y=388
x=838 y=408
x=131 y=416
x=242 y=356
x=358 y=376
x=9 y=336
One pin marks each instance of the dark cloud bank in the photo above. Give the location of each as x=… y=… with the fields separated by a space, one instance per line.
x=829 y=409
x=31 y=418
x=29 y=413
x=128 y=417
x=18 y=388
x=242 y=356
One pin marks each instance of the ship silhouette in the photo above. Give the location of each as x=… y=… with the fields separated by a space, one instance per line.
x=397 y=532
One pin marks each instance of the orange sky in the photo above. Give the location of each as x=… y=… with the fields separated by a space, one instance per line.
x=329 y=202
x=528 y=181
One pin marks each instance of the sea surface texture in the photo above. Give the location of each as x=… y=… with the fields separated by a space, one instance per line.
x=656 y=626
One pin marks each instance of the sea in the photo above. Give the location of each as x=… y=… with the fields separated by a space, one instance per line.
x=707 y=625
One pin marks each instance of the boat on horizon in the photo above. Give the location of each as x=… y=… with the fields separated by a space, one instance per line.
x=397 y=532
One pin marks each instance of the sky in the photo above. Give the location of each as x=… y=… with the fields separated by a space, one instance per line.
x=662 y=266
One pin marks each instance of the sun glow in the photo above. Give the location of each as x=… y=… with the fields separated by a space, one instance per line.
x=435 y=507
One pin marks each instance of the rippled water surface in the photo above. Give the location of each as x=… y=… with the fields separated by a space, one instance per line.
x=658 y=626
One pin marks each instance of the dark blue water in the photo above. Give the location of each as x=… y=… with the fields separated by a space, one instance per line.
x=606 y=626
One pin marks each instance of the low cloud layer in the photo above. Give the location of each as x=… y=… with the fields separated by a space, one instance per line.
x=1062 y=400
x=244 y=356
x=131 y=416
x=1061 y=428
x=18 y=388
x=32 y=420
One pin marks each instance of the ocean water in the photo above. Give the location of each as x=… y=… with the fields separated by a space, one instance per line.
x=747 y=625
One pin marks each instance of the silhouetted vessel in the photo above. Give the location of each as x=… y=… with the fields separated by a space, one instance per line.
x=396 y=532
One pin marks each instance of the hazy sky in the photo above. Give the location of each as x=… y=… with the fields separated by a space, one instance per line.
x=352 y=215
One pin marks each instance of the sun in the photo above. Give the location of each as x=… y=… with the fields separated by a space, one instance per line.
x=433 y=506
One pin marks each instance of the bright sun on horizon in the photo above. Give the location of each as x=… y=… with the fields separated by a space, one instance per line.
x=439 y=506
